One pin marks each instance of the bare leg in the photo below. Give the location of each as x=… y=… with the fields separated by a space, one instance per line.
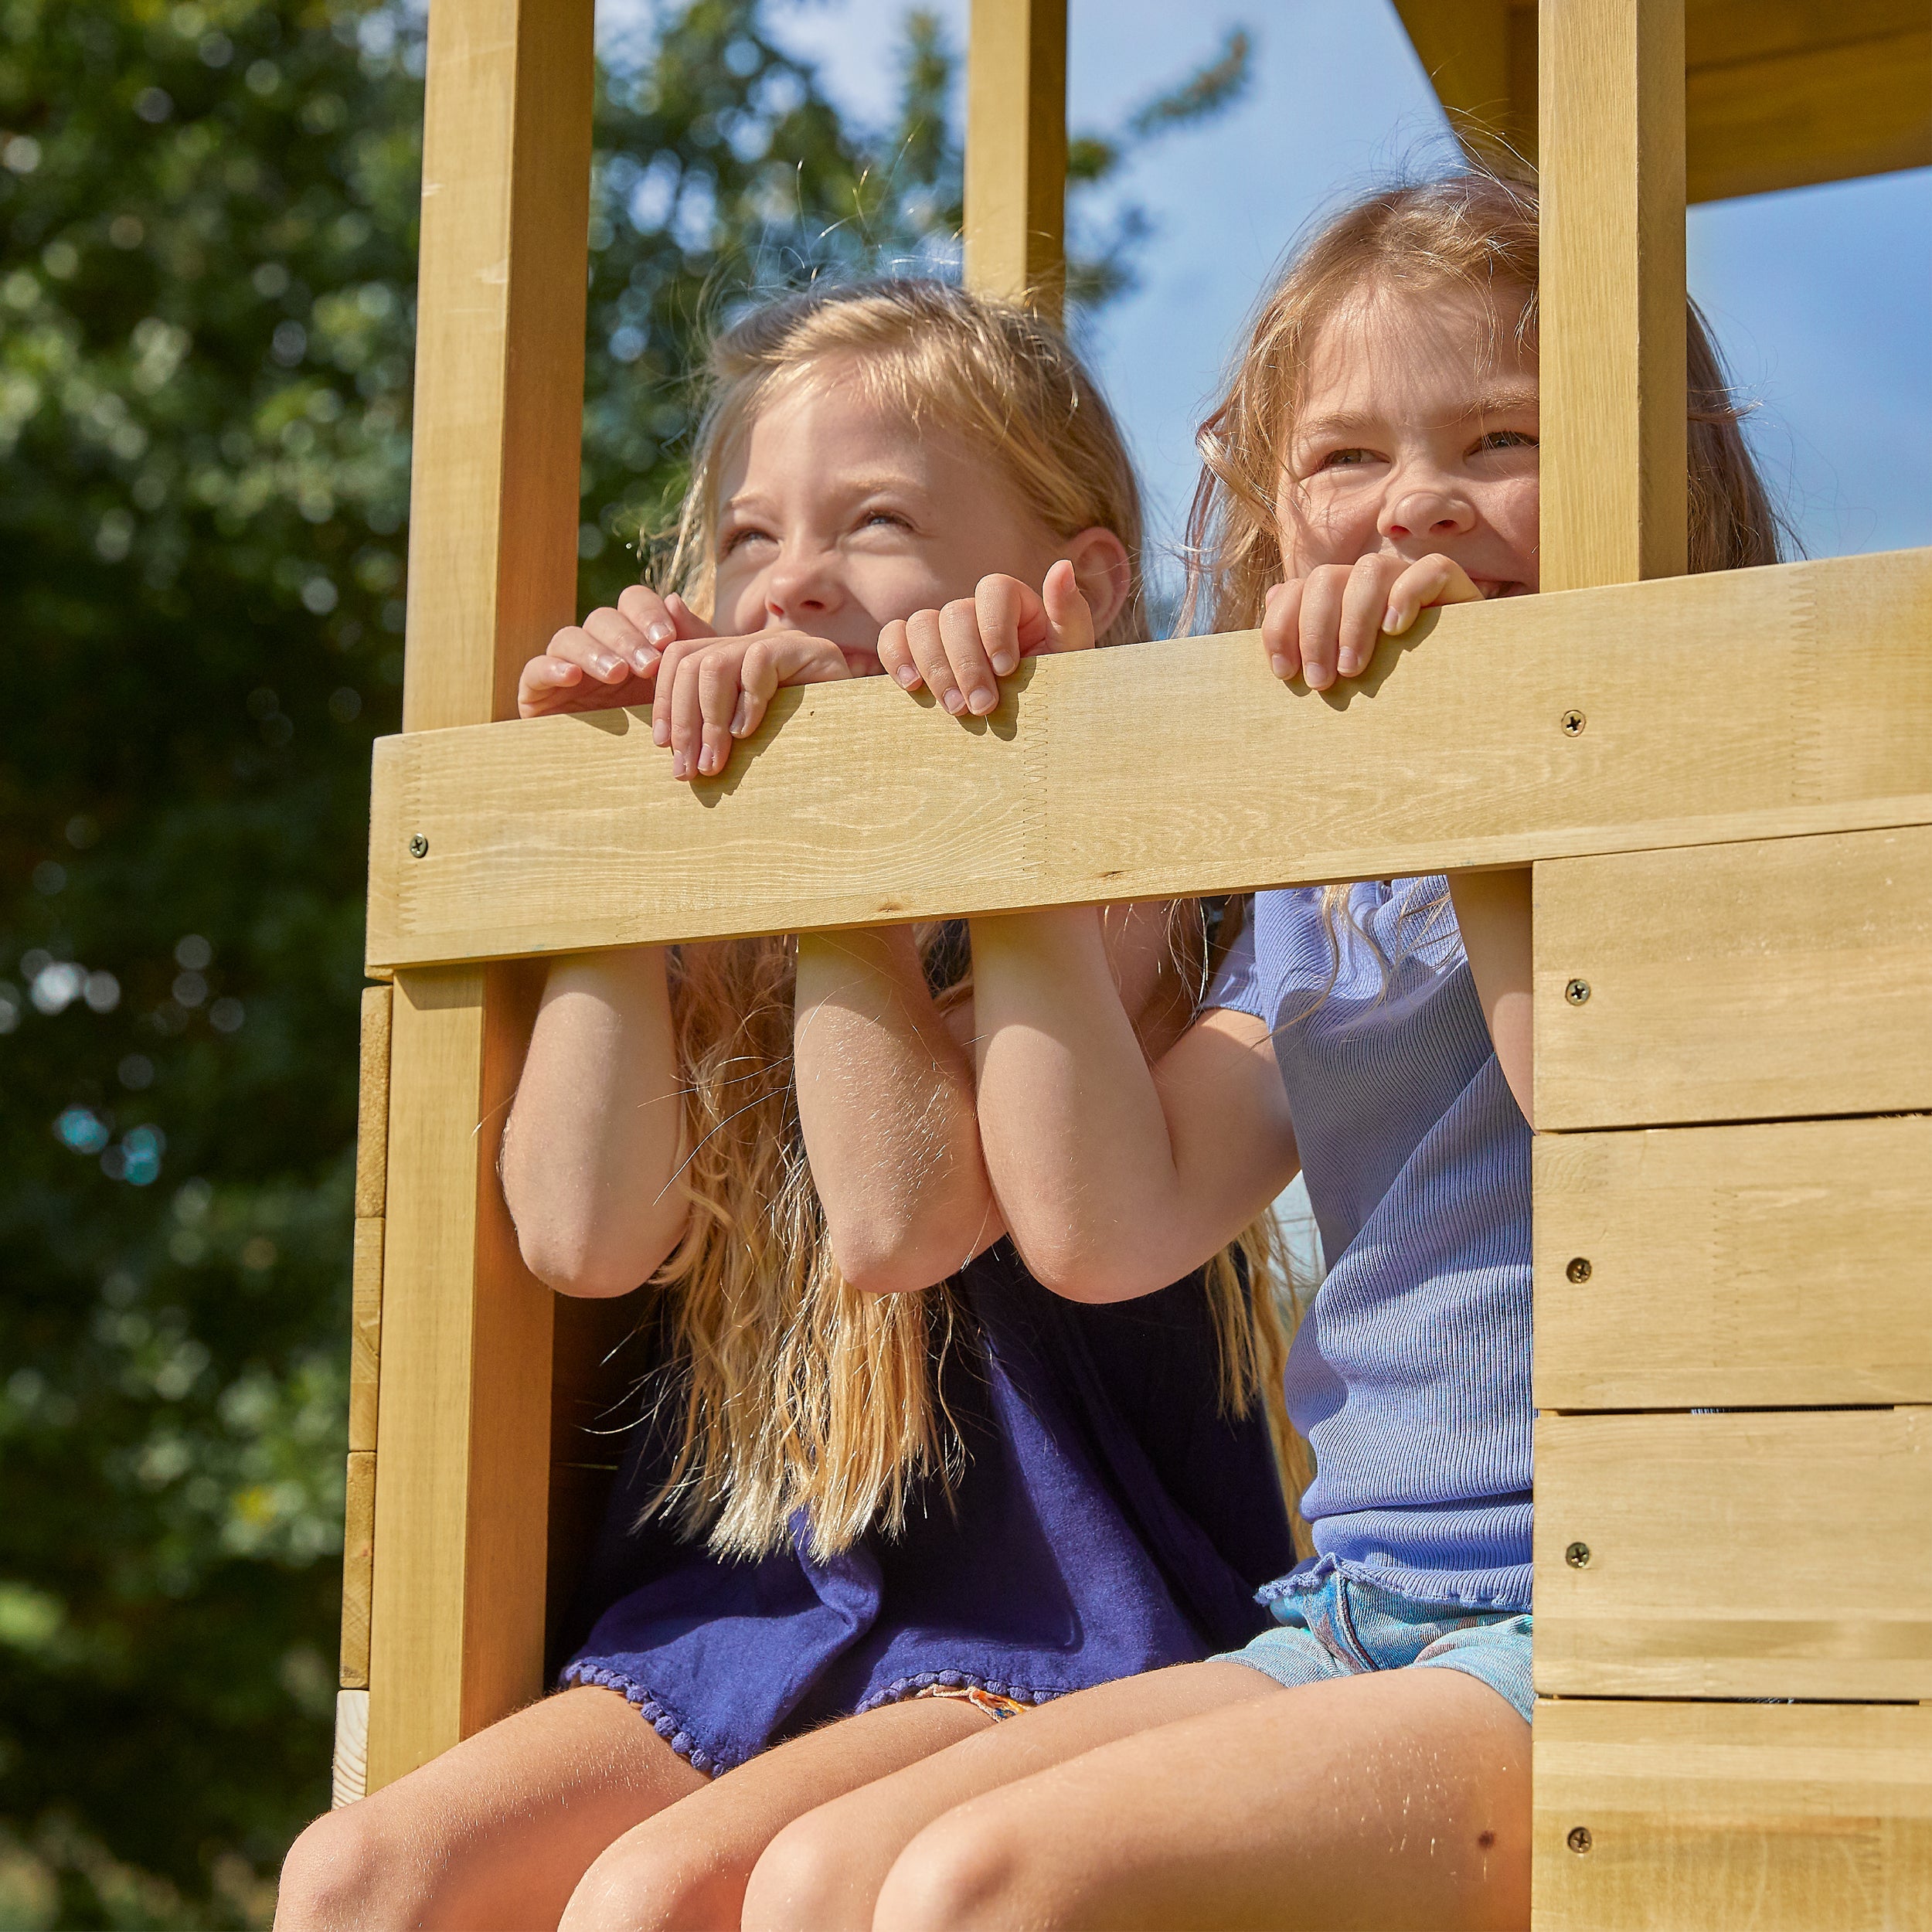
x=685 y=1870
x=1395 y=1802
x=493 y=1835
x=824 y=1873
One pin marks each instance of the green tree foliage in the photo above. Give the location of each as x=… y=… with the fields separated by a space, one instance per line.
x=207 y=233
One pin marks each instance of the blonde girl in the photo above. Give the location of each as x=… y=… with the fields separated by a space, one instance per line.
x=876 y=1474
x=1364 y=1762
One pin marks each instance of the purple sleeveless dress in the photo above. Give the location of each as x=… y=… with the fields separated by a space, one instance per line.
x=1110 y=1519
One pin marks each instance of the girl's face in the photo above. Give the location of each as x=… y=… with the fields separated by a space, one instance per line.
x=1416 y=436
x=836 y=517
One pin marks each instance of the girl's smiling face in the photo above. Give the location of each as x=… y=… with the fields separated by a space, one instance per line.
x=835 y=517
x=1416 y=435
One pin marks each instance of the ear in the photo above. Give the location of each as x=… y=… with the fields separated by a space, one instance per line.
x=1104 y=571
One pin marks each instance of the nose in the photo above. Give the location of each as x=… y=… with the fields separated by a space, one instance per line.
x=1426 y=507
x=802 y=586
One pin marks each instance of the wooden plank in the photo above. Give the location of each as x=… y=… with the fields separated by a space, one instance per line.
x=1742 y=982
x=1789 y=1263
x=1480 y=58
x=499 y=351
x=1611 y=131
x=371 y=1104
x=1825 y=113
x=1758 y=1553
x=1016 y=152
x=1717 y=1818
x=358 y=1543
x=349 y=1776
x=365 y=1331
x=464 y=1474
x=856 y=804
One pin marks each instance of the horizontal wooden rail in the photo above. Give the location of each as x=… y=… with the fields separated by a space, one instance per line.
x=1762 y=703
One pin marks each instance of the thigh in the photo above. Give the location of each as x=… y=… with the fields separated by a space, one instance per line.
x=823 y=1874
x=494 y=1832
x=1394 y=1800
x=687 y=1866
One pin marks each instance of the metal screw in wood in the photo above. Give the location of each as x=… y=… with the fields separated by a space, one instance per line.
x=1579 y=1268
x=1573 y=723
x=1577 y=1556
x=1577 y=991
x=1579 y=1840
x=419 y=845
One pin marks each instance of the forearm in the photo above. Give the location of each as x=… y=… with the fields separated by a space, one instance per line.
x=591 y=1149
x=886 y=1102
x=1493 y=910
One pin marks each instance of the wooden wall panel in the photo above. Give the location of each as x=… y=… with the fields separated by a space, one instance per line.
x=371 y=1104
x=1733 y=1817
x=1786 y=1263
x=358 y=1539
x=348 y=1778
x=365 y=1332
x=856 y=803
x=1753 y=1554
x=1016 y=152
x=1779 y=976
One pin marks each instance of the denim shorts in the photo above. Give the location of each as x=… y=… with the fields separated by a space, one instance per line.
x=1342 y=1626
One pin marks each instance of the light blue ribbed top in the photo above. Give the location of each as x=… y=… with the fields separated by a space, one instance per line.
x=1409 y=1375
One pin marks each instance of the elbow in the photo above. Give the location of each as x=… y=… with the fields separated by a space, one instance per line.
x=587 y=1262
x=881 y=1260
x=1067 y=1262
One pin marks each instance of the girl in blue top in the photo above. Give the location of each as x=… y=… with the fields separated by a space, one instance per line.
x=1364 y=1762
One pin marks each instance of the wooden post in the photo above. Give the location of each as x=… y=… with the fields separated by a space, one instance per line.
x=1611 y=133
x=462 y=1466
x=1016 y=152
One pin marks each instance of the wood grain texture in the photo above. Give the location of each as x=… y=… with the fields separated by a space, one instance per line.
x=372 y=1103
x=1733 y=1817
x=499 y=351
x=855 y=802
x=1787 y=1264
x=1755 y=1554
x=349 y=1779
x=1016 y=152
x=358 y=1542
x=365 y=1331
x=1611 y=133
x=1769 y=977
x=1480 y=58
x=463 y=1475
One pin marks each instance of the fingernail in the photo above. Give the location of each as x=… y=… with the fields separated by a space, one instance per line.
x=740 y=719
x=1280 y=666
x=646 y=662
x=660 y=633
x=677 y=764
x=1391 y=622
x=1005 y=663
x=660 y=735
x=907 y=675
x=953 y=702
x=1347 y=663
x=604 y=664
x=707 y=762
x=983 y=701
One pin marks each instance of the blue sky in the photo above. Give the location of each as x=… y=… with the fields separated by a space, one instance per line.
x=1822 y=298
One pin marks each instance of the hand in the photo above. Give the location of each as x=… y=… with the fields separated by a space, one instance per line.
x=1325 y=625
x=711 y=692
x=609 y=660
x=961 y=652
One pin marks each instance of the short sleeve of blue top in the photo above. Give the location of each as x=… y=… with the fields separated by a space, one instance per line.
x=1109 y=1518
x=1410 y=1375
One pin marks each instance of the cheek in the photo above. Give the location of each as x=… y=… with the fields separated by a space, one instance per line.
x=1323 y=524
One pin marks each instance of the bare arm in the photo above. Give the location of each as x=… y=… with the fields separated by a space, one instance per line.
x=1116 y=1177
x=591 y=1150
x=1492 y=908
x=885 y=1101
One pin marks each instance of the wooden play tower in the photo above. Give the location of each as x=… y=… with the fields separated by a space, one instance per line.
x=1723 y=786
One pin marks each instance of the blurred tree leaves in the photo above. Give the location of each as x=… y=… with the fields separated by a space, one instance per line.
x=207 y=233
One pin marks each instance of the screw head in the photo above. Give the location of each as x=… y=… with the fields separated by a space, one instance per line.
x=419 y=845
x=1577 y=991
x=1580 y=1840
x=1577 y=1556
x=1579 y=1268
x=1573 y=723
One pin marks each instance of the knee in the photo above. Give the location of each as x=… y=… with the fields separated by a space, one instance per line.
x=804 y=1881
x=341 y=1875
x=649 y=1881
x=956 y=1876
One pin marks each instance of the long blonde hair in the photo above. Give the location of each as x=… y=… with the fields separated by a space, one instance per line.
x=797 y=1391
x=1477 y=229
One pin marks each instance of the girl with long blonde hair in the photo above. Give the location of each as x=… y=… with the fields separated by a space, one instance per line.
x=874 y=1472
x=1365 y=1761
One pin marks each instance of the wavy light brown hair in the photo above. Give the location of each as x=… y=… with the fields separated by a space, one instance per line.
x=796 y=1390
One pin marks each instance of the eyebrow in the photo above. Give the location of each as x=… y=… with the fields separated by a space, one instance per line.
x=1497 y=402
x=879 y=483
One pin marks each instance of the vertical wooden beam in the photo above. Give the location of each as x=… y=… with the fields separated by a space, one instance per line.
x=1016 y=152
x=1611 y=133
x=462 y=1470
